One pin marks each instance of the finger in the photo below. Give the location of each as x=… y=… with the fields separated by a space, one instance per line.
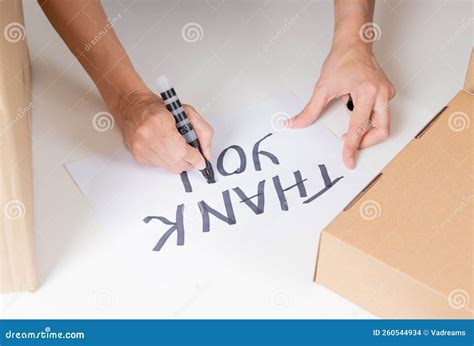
x=166 y=142
x=203 y=130
x=372 y=137
x=345 y=98
x=312 y=111
x=194 y=158
x=146 y=158
x=359 y=123
x=177 y=167
x=176 y=150
x=152 y=158
x=141 y=152
x=180 y=167
x=142 y=160
x=380 y=124
x=393 y=92
x=162 y=158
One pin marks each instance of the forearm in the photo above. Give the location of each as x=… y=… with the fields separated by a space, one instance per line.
x=84 y=27
x=349 y=17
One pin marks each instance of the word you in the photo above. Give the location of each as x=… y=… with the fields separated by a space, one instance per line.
x=254 y=201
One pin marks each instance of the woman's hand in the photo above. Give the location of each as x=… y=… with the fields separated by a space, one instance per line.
x=148 y=129
x=149 y=132
x=350 y=68
x=353 y=70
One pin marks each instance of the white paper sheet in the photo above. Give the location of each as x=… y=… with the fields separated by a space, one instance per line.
x=264 y=260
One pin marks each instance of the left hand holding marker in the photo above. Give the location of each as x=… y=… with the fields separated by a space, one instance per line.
x=352 y=70
x=149 y=132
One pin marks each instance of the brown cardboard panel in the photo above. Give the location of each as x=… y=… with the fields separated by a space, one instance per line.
x=17 y=256
x=469 y=82
x=377 y=287
x=404 y=249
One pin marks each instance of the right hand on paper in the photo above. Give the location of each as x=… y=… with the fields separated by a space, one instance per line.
x=149 y=132
x=352 y=69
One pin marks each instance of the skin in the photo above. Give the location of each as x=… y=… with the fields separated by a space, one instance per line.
x=149 y=130
x=351 y=68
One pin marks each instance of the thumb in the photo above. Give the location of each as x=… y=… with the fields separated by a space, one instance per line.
x=203 y=130
x=312 y=110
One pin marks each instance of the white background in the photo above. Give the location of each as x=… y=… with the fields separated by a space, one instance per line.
x=261 y=265
x=423 y=49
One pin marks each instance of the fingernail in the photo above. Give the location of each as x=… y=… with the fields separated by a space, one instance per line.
x=351 y=163
x=344 y=136
x=201 y=166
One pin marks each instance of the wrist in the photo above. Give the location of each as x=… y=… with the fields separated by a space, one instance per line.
x=351 y=38
x=344 y=43
x=119 y=85
x=353 y=23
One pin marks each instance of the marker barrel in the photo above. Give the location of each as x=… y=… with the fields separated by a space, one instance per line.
x=184 y=126
x=174 y=106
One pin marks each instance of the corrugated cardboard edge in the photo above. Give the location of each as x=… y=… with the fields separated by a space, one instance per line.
x=469 y=82
x=367 y=272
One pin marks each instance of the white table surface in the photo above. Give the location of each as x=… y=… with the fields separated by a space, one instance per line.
x=424 y=49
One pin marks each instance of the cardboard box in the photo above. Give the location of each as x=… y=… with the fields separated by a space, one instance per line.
x=403 y=247
x=17 y=247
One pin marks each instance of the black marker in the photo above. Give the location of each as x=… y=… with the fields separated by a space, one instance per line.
x=184 y=126
x=350 y=104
